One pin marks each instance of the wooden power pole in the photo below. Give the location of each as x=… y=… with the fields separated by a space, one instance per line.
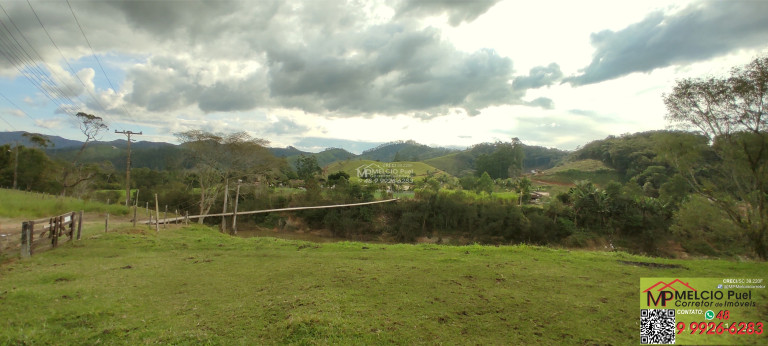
x=128 y=166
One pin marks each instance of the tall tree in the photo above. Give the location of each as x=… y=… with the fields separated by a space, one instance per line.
x=214 y=158
x=307 y=167
x=76 y=173
x=729 y=166
x=506 y=160
x=41 y=141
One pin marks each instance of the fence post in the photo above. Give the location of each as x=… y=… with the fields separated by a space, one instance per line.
x=26 y=242
x=79 y=223
x=165 y=216
x=234 y=215
x=157 y=215
x=186 y=218
x=134 y=215
x=56 y=226
x=72 y=226
x=52 y=231
x=106 y=224
x=176 y=212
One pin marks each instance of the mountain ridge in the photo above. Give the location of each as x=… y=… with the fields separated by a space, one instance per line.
x=157 y=155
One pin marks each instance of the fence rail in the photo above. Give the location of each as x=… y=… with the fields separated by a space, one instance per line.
x=169 y=220
x=69 y=224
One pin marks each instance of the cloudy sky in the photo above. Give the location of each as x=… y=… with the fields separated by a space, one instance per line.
x=353 y=74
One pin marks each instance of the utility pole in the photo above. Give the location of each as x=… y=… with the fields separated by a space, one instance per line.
x=128 y=166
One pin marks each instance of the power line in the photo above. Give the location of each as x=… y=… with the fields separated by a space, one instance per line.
x=9 y=124
x=39 y=57
x=25 y=113
x=94 y=54
x=65 y=59
x=17 y=55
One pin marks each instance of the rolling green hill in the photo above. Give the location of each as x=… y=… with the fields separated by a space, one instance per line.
x=416 y=170
x=403 y=151
x=458 y=164
x=463 y=162
x=569 y=172
x=157 y=156
x=324 y=157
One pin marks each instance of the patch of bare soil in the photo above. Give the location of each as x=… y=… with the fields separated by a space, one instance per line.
x=651 y=264
x=552 y=182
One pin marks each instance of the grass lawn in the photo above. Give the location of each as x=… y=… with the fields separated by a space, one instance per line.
x=14 y=203
x=194 y=285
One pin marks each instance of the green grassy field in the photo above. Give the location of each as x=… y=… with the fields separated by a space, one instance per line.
x=449 y=163
x=14 y=204
x=194 y=285
x=420 y=169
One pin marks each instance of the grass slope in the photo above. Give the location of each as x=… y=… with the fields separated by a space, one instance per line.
x=194 y=285
x=32 y=205
x=569 y=172
x=455 y=163
x=420 y=169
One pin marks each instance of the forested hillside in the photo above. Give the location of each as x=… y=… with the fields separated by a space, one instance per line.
x=403 y=151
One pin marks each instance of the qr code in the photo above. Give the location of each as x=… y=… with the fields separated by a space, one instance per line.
x=657 y=326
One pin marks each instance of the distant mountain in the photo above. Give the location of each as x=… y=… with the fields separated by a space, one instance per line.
x=17 y=136
x=404 y=151
x=154 y=155
x=325 y=157
x=158 y=155
x=287 y=152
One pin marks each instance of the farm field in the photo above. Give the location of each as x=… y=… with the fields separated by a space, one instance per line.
x=195 y=285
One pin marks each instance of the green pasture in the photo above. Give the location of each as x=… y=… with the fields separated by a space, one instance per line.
x=29 y=205
x=570 y=172
x=195 y=285
x=419 y=169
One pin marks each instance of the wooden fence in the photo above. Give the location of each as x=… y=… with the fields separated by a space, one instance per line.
x=235 y=213
x=69 y=224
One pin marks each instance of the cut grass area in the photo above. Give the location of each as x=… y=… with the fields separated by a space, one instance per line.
x=194 y=285
x=21 y=204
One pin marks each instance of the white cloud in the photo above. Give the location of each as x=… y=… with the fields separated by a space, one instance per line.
x=439 y=72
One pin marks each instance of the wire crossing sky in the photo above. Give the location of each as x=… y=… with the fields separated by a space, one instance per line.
x=354 y=74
